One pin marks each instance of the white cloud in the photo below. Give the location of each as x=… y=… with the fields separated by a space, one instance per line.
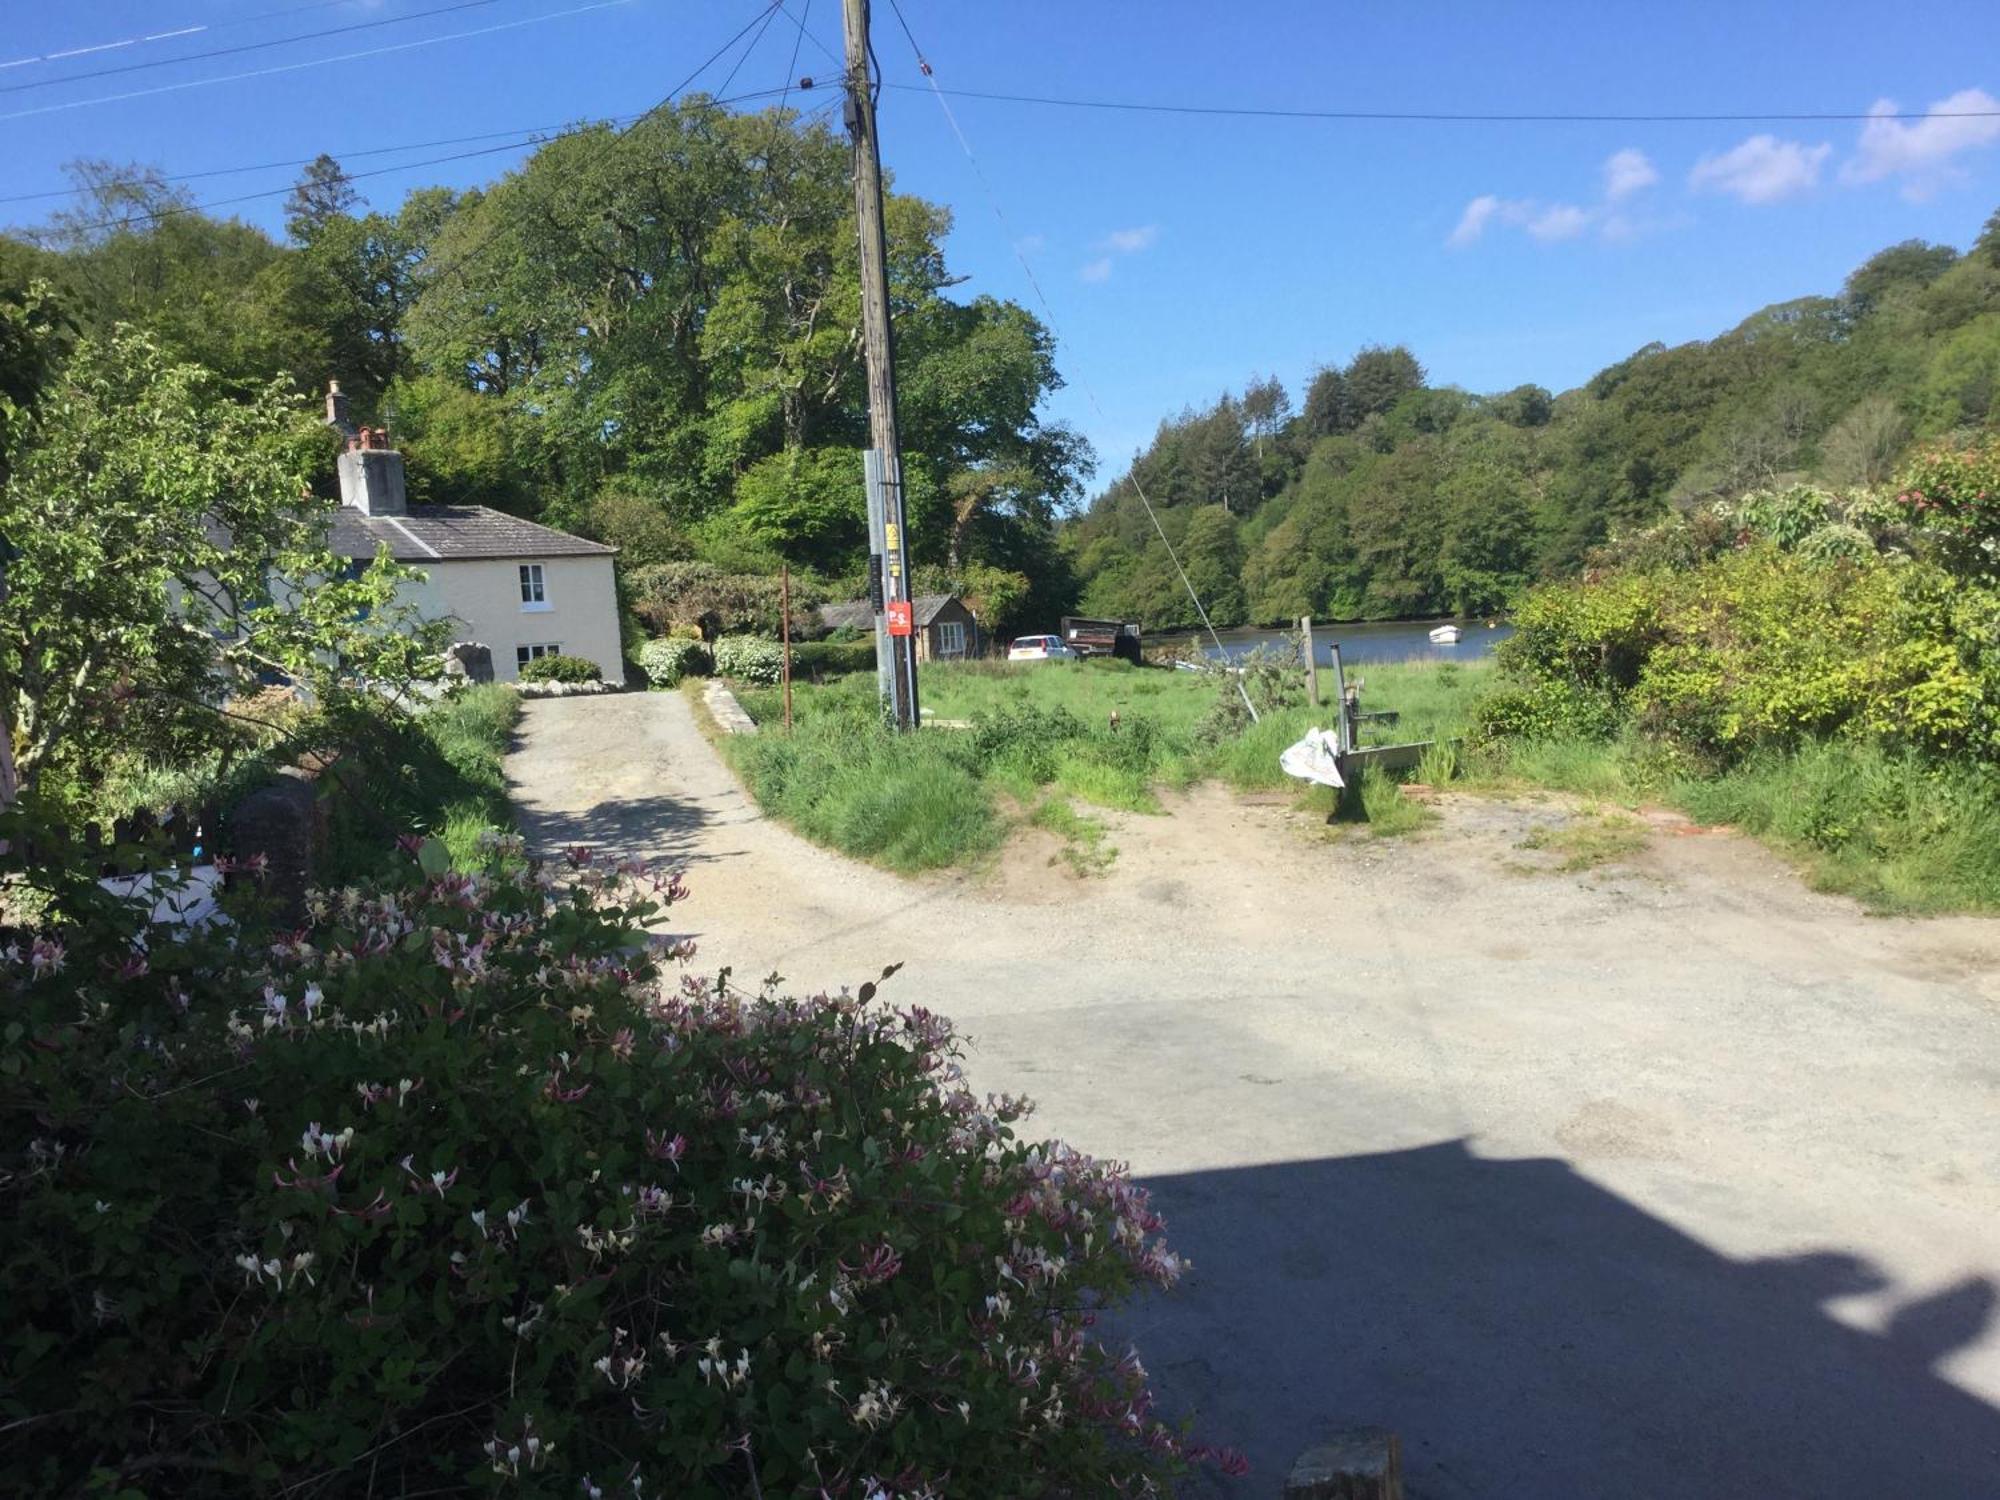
x=1096 y=270
x=1559 y=221
x=1762 y=169
x=1131 y=241
x=1920 y=151
x=1627 y=172
x=1472 y=223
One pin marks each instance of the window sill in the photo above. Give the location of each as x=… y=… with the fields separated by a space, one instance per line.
x=537 y=609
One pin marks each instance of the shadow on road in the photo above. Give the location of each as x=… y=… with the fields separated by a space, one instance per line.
x=670 y=830
x=1530 y=1333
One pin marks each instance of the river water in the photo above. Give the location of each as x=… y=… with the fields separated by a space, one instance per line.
x=1370 y=641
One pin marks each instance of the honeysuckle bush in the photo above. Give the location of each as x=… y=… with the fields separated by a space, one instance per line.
x=749 y=658
x=669 y=659
x=472 y=1184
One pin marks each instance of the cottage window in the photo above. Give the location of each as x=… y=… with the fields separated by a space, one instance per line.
x=951 y=638
x=534 y=594
x=525 y=654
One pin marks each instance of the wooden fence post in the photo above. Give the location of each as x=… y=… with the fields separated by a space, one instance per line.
x=785 y=630
x=1312 y=661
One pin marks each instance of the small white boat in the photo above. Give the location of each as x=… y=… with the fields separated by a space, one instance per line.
x=1445 y=635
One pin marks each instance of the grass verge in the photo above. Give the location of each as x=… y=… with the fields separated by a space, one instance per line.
x=1896 y=832
x=437 y=771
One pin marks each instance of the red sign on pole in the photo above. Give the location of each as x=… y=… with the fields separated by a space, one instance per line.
x=899 y=617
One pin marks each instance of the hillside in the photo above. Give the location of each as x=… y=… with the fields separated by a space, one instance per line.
x=1382 y=496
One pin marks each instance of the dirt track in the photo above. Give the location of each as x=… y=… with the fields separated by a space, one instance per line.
x=1671 y=1178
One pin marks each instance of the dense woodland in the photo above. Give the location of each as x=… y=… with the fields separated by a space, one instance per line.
x=1381 y=496
x=651 y=337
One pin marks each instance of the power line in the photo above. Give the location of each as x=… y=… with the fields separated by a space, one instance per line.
x=1090 y=393
x=282 y=41
x=273 y=166
x=770 y=15
x=178 y=209
x=830 y=55
x=534 y=136
x=166 y=36
x=1446 y=117
x=529 y=131
x=196 y=83
x=457 y=267
x=792 y=67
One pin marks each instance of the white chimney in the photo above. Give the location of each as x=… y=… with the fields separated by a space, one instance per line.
x=371 y=475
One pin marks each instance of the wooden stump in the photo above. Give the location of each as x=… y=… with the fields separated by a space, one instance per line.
x=1363 y=1463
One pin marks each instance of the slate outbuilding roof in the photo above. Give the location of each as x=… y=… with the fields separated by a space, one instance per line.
x=450 y=533
x=859 y=614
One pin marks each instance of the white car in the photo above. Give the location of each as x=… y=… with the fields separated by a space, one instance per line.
x=1040 y=648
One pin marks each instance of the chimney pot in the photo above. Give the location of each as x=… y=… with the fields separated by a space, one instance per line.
x=336 y=409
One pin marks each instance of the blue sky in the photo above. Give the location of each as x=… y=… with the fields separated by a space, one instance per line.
x=1179 y=254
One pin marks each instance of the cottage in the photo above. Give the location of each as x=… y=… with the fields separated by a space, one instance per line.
x=521 y=589
x=946 y=629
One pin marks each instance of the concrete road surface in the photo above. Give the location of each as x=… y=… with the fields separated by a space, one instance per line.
x=1667 y=1179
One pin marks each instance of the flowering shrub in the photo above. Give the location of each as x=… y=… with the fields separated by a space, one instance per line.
x=1759 y=648
x=749 y=658
x=466 y=1186
x=560 y=668
x=667 y=661
x=1954 y=495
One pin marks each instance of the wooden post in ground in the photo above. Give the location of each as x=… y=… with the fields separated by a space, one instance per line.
x=785 y=635
x=1312 y=661
x=1344 y=736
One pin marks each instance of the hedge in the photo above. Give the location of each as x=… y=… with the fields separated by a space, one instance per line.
x=668 y=660
x=749 y=658
x=830 y=658
x=560 y=669
x=467 y=1185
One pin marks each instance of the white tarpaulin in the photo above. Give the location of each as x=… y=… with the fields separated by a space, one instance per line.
x=1315 y=758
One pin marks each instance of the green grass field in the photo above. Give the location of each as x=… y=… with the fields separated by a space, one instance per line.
x=1899 y=834
x=1041 y=748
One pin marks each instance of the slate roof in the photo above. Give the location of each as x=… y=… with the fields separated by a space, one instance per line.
x=859 y=614
x=448 y=533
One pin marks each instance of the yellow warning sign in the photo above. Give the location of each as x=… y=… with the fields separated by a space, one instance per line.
x=890 y=530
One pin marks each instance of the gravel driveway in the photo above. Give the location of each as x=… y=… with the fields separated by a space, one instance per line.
x=1667 y=1179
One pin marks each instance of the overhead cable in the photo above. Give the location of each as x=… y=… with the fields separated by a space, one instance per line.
x=143 y=38
x=1449 y=117
x=197 y=83
x=1089 y=391
x=281 y=41
x=533 y=136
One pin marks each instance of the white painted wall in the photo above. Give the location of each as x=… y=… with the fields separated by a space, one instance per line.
x=484 y=598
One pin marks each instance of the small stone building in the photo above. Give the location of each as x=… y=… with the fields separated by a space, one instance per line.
x=946 y=629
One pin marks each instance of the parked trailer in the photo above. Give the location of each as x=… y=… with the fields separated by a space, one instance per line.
x=1086 y=637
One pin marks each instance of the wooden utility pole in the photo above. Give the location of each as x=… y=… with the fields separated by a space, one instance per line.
x=901 y=678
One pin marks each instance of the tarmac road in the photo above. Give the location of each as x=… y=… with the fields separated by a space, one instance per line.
x=1667 y=1179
